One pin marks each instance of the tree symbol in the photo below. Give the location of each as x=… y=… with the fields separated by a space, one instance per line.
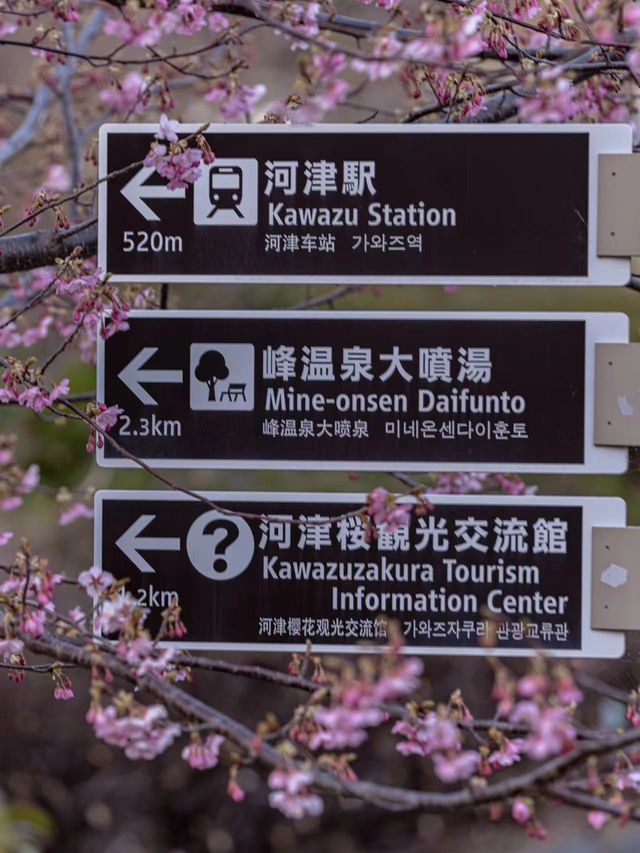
x=210 y=369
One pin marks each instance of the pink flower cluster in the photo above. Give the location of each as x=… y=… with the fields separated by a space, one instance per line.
x=144 y=733
x=436 y=735
x=551 y=101
x=203 y=755
x=11 y=496
x=95 y=581
x=129 y=96
x=384 y=510
x=356 y=705
x=301 y=18
x=10 y=648
x=116 y=613
x=478 y=483
x=290 y=794
x=36 y=590
x=105 y=419
x=35 y=397
x=236 y=100
x=425 y=735
x=178 y=164
x=74 y=512
x=11 y=337
x=552 y=732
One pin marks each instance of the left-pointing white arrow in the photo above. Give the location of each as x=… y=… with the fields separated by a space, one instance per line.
x=133 y=376
x=131 y=543
x=136 y=190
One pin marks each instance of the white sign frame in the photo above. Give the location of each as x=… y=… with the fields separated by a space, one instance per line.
x=603 y=139
x=605 y=327
x=597 y=512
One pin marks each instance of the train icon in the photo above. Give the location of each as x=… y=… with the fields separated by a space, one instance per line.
x=225 y=189
x=227 y=193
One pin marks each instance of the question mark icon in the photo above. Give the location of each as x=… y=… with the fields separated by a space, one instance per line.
x=229 y=536
x=220 y=557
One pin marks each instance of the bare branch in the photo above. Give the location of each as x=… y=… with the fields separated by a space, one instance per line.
x=41 y=248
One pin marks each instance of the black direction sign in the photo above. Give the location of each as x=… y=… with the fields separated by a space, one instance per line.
x=358 y=391
x=475 y=575
x=363 y=203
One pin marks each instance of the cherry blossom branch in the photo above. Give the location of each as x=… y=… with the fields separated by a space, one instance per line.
x=40 y=248
x=31 y=217
x=592 y=803
x=382 y=795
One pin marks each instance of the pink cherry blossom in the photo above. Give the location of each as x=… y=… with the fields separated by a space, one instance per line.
x=74 y=512
x=456 y=767
x=38 y=332
x=95 y=581
x=344 y=727
x=386 y=513
x=217 y=22
x=30 y=480
x=629 y=781
x=334 y=93
x=236 y=101
x=631 y=16
x=203 y=755
x=633 y=60
x=597 y=819
x=105 y=420
x=180 y=168
x=507 y=755
x=63 y=693
x=235 y=791
x=160 y=665
x=5 y=538
x=521 y=811
x=399 y=681
x=143 y=734
x=9 y=504
x=78 y=617
x=133 y=32
x=428 y=734
x=116 y=613
x=290 y=794
x=7 y=28
x=533 y=684
x=552 y=101
x=568 y=692
x=168 y=129
x=33 y=623
x=126 y=96
x=192 y=17
x=386 y=48
x=58 y=179
x=551 y=730
x=10 y=648
x=389 y=5
x=108 y=417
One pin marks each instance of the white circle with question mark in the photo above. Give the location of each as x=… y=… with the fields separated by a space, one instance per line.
x=220 y=546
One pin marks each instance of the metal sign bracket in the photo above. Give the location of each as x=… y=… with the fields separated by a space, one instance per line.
x=615 y=578
x=617 y=395
x=619 y=205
